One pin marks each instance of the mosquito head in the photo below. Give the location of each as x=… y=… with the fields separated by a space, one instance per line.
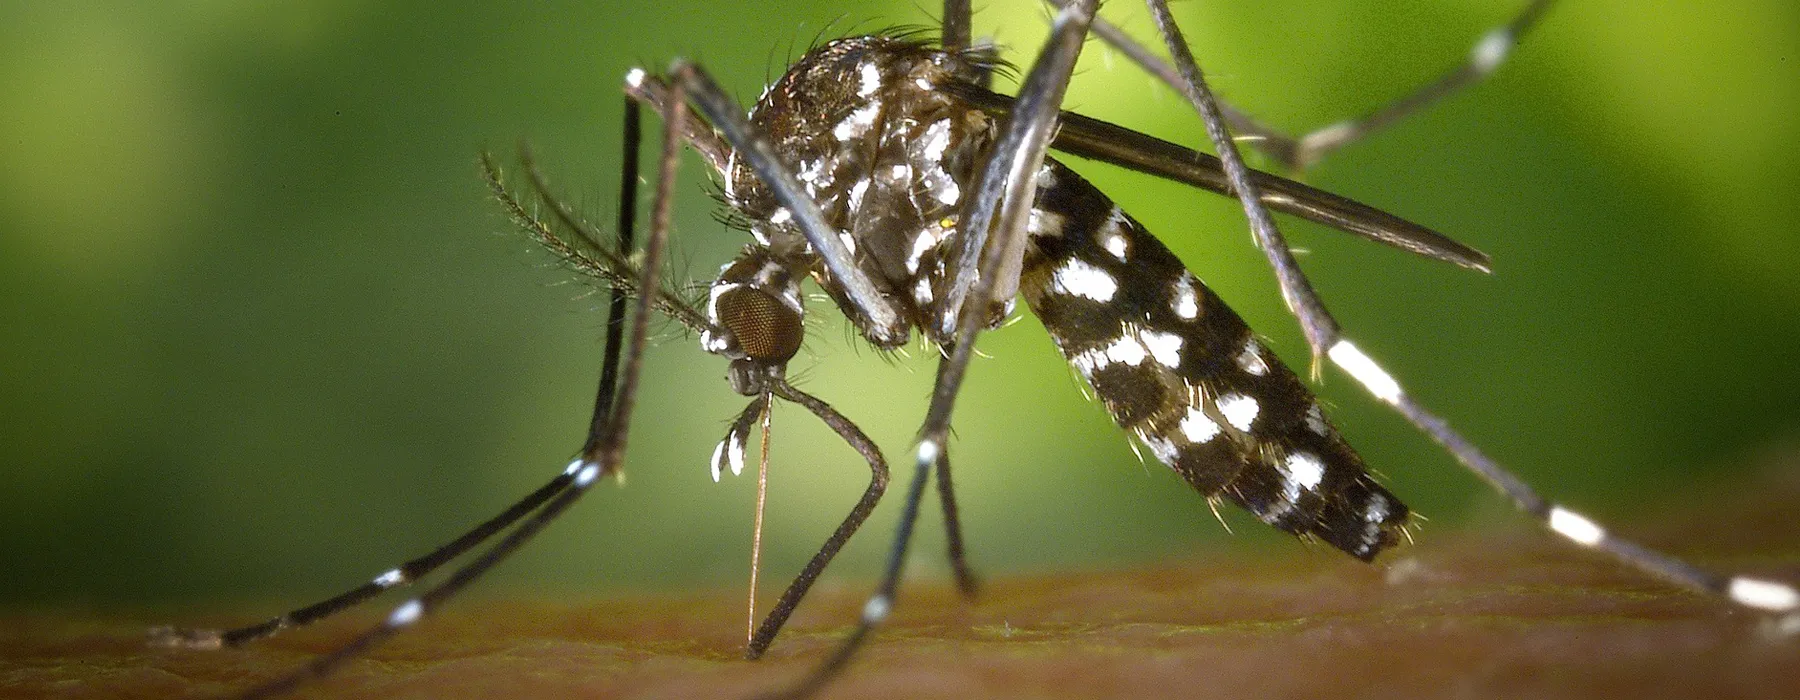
x=756 y=315
x=766 y=329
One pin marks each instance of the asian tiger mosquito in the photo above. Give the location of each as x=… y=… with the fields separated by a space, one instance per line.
x=1296 y=474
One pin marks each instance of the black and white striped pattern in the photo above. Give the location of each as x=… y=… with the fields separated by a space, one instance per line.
x=1177 y=367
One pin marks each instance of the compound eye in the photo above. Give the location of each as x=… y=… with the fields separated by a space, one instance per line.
x=766 y=329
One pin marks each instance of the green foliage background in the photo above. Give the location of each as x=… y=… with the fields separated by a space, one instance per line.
x=263 y=333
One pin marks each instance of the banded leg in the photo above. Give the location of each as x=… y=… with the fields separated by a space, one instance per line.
x=1325 y=338
x=1762 y=595
x=397 y=577
x=414 y=569
x=1301 y=153
x=601 y=457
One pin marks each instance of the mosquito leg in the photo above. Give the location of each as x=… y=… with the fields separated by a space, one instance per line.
x=618 y=297
x=1323 y=334
x=1754 y=593
x=600 y=460
x=953 y=537
x=415 y=569
x=1758 y=594
x=398 y=576
x=959 y=562
x=413 y=610
x=957 y=34
x=1096 y=139
x=615 y=310
x=1487 y=54
x=1264 y=138
x=878 y=481
x=1307 y=150
x=1008 y=184
x=654 y=92
x=878 y=606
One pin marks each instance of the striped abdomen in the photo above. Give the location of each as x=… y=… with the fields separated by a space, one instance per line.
x=1177 y=367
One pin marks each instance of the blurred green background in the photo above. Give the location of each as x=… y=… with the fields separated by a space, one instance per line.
x=265 y=334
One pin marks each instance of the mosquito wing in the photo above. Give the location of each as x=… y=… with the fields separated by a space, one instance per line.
x=1092 y=138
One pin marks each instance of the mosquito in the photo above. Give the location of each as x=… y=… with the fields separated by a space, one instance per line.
x=883 y=169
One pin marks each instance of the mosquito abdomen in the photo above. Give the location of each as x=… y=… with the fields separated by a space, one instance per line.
x=1180 y=370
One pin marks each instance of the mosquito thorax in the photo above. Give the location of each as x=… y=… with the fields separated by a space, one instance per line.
x=863 y=124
